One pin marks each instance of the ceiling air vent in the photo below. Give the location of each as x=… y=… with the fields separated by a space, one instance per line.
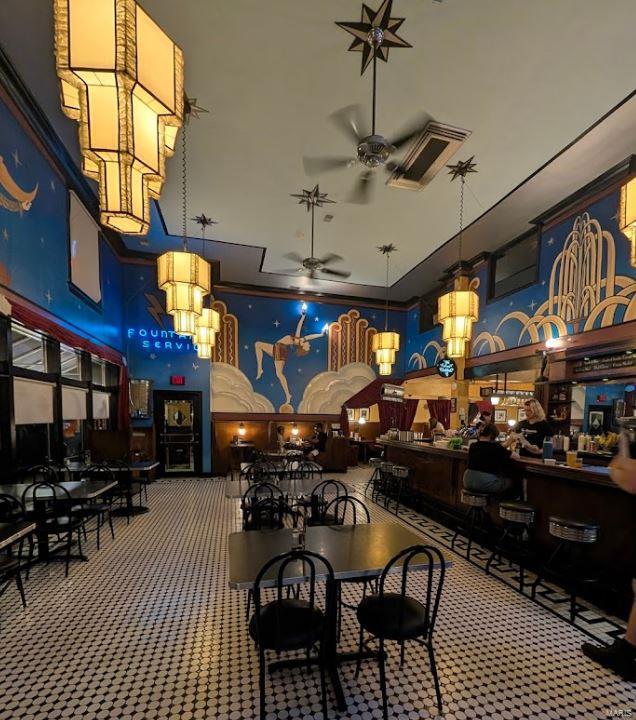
x=430 y=151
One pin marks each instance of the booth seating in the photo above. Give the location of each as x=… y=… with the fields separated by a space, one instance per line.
x=514 y=543
x=569 y=564
x=335 y=457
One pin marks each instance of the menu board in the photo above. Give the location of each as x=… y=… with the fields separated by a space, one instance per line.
x=626 y=359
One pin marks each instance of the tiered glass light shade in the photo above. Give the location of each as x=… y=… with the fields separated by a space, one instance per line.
x=385 y=345
x=208 y=325
x=185 y=277
x=627 y=215
x=121 y=78
x=457 y=311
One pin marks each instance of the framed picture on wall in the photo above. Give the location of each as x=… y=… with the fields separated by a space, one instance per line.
x=351 y=414
x=597 y=419
x=364 y=413
x=521 y=414
x=453 y=405
x=501 y=416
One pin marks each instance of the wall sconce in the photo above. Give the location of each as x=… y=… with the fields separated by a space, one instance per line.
x=511 y=423
x=362 y=421
x=241 y=430
x=294 y=430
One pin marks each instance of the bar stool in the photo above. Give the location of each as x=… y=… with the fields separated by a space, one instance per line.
x=566 y=564
x=475 y=517
x=382 y=482
x=375 y=463
x=398 y=479
x=514 y=542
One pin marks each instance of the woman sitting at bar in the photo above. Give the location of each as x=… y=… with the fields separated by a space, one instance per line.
x=532 y=431
x=491 y=467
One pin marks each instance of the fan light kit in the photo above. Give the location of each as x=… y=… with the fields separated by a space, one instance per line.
x=459 y=308
x=121 y=78
x=386 y=344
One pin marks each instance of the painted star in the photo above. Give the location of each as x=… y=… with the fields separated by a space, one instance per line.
x=276 y=323
x=532 y=305
x=195 y=366
x=375 y=34
x=152 y=356
x=5 y=234
x=312 y=198
x=462 y=168
x=52 y=184
x=246 y=347
x=41 y=241
x=543 y=282
x=48 y=297
x=16 y=158
x=551 y=241
x=192 y=110
x=511 y=303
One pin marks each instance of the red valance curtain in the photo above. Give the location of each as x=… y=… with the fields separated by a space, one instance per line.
x=397 y=415
x=35 y=320
x=441 y=409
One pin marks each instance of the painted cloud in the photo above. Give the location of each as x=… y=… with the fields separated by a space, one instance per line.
x=231 y=391
x=327 y=391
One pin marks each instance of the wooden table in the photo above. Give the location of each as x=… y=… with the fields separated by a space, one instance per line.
x=13 y=531
x=80 y=490
x=354 y=551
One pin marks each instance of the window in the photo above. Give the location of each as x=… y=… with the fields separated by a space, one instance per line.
x=70 y=362
x=98 y=371
x=28 y=349
x=515 y=266
x=84 y=250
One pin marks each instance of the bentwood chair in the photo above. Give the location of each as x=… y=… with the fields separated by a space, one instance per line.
x=127 y=487
x=401 y=617
x=254 y=495
x=288 y=624
x=57 y=515
x=98 y=510
x=11 y=516
x=318 y=501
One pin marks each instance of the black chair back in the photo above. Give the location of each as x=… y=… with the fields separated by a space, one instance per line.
x=260 y=490
x=268 y=513
x=304 y=470
x=55 y=498
x=99 y=471
x=338 y=508
x=434 y=581
x=40 y=473
x=309 y=561
x=10 y=508
x=122 y=473
x=260 y=470
x=317 y=500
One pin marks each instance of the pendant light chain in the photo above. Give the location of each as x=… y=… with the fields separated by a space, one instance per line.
x=461 y=217
x=184 y=187
x=386 y=307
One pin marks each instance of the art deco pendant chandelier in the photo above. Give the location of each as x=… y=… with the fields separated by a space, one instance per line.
x=627 y=215
x=121 y=78
x=184 y=275
x=208 y=324
x=459 y=309
x=386 y=344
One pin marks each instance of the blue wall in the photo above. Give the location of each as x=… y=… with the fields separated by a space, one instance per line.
x=34 y=242
x=539 y=311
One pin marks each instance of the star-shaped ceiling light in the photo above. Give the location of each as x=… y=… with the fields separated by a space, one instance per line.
x=375 y=34
x=192 y=110
x=204 y=221
x=462 y=168
x=312 y=198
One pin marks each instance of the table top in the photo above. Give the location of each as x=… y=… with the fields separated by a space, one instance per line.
x=141 y=466
x=292 y=488
x=13 y=531
x=354 y=551
x=77 y=489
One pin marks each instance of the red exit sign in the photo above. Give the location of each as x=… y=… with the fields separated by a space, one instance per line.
x=177 y=379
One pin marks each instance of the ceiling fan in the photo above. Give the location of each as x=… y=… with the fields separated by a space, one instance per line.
x=312 y=264
x=373 y=36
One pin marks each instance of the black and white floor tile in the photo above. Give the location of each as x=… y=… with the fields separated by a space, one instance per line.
x=149 y=628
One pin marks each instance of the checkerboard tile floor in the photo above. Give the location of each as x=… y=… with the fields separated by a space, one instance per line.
x=150 y=629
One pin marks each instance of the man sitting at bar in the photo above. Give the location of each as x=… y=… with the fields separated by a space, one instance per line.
x=491 y=467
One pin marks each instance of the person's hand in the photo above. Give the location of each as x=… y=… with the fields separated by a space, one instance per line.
x=515 y=456
x=622 y=470
x=533 y=449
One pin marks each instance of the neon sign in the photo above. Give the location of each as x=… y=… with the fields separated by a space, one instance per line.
x=167 y=340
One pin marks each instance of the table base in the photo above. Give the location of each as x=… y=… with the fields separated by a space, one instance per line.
x=130 y=511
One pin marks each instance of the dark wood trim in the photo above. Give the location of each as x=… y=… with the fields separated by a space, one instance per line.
x=424 y=372
x=276 y=417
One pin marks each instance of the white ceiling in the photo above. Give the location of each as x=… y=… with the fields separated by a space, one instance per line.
x=525 y=77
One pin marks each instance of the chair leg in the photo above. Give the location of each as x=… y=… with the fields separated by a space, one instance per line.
x=18 y=582
x=323 y=683
x=360 y=646
x=402 y=646
x=261 y=683
x=385 y=702
x=572 y=605
x=69 y=541
x=431 y=657
x=249 y=604
x=79 y=544
x=99 y=526
x=30 y=556
x=110 y=523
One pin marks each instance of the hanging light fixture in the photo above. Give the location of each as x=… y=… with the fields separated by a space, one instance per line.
x=495 y=398
x=458 y=309
x=627 y=215
x=121 y=78
x=208 y=324
x=184 y=275
x=386 y=344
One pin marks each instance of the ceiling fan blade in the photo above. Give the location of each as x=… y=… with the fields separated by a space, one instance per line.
x=335 y=273
x=294 y=257
x=317 y=166
x=329 y=258
x=361 y=194
x=350 y=121
x=288 y=271
x=415 y=128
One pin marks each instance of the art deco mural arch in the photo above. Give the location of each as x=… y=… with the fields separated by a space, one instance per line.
x=350 y=341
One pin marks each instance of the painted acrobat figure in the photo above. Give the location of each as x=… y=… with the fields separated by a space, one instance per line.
x=280 y=350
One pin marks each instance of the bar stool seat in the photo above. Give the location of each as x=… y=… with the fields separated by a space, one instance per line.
x=474 y=499
x=474 y=520
x=375 y=463
x=397 y=482
x=517 y=512
x=568 y=564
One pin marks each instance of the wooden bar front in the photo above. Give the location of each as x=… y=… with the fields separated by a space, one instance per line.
x=585 y=494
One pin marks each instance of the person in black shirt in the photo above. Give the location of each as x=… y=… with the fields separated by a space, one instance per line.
x=532 y=431
x=318 y=440
x=491 y=467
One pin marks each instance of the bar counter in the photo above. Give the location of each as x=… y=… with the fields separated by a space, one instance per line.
x=586 y=493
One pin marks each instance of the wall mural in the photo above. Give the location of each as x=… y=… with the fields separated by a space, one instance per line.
x=585 y=282
x=350 y=341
